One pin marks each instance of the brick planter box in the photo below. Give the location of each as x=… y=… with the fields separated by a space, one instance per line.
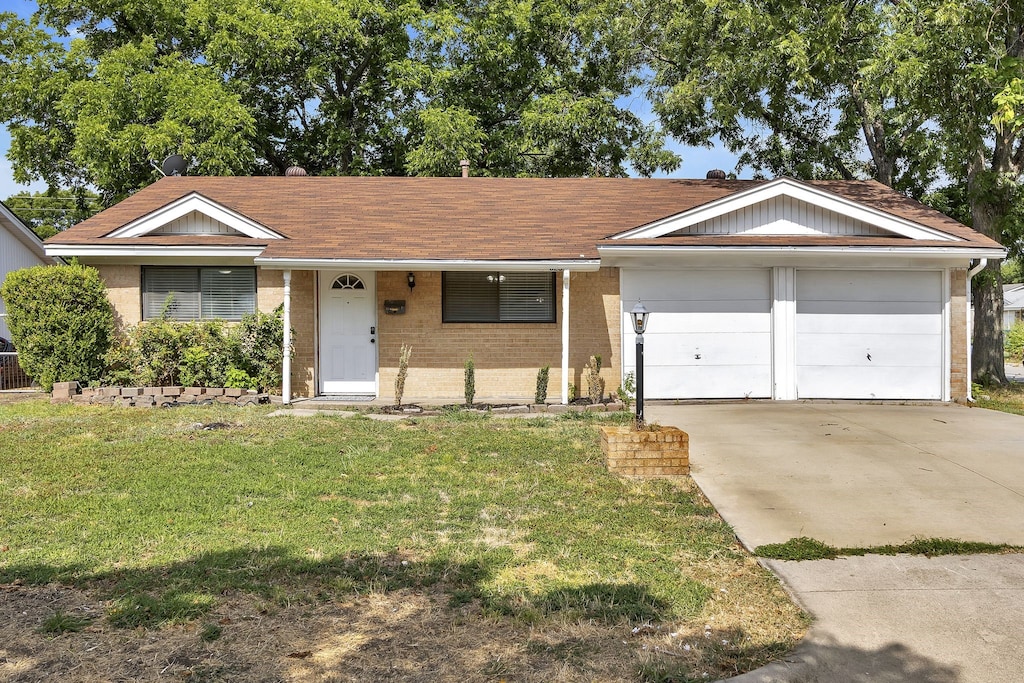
x=661 y=452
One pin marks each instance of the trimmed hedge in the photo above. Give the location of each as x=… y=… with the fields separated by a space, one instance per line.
x=61 y=322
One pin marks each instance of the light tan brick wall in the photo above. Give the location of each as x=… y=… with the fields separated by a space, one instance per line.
x=661 y=452
x=507 y=355
x=270 y=295
x=959 y=348
x=124 y=289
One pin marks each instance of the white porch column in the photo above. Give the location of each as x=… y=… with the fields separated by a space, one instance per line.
x=565 y=336
x=286 y=365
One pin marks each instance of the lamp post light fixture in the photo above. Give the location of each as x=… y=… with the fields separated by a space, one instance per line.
x=411 y=279
x=640 y=316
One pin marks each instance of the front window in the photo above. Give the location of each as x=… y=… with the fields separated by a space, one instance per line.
x=180 y=293
x=493 y=297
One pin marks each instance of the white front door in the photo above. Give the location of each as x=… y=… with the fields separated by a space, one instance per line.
x=348 y=327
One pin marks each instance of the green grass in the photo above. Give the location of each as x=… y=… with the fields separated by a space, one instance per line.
x=1008 y=398
x=62 y=622
x=804 y=548
x=164 y=518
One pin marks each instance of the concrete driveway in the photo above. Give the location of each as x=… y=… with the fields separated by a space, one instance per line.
x=862 y=475
x=856 y=474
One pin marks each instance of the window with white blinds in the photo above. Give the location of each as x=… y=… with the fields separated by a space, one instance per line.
x=498 y=297
x=198 y=293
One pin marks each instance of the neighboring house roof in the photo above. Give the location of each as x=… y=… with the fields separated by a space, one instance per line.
x=1013 y=297
x=482 y=219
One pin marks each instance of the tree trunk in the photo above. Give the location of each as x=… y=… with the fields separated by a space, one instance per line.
x=987 y=364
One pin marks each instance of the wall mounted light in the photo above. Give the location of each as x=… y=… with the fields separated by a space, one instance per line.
x=412 y=281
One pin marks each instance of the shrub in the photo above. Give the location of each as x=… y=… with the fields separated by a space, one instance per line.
x=541 y=395
x=239 y=379
x=261 y=341
x=61 y=322
x=595 y=382
x=470 y=381
x=403 y=370
x=1015 y=343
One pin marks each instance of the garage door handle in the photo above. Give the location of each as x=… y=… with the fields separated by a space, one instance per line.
x=696 y=356
x=869 y=356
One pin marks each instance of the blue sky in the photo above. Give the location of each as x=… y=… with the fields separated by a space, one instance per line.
x=696 y=161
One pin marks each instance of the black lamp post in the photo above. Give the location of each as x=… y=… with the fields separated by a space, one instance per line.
x=640 y=317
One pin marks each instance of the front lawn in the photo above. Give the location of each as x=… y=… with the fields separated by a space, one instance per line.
x=1008 y=398
x=222 y=544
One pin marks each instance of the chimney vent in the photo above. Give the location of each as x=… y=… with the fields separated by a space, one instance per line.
x=465 y=167
x=716 y=174
x=295 y=172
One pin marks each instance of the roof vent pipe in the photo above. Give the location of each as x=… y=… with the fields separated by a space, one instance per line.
x=465 y=167
x=294 y=172
x=716 y=174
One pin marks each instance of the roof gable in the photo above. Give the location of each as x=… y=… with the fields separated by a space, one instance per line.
x=785 y=207
x=194 y=214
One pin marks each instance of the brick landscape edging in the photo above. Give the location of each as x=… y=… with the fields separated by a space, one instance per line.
x=146 y=397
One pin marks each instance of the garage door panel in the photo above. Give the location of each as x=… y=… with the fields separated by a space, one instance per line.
x=843 y=317
x=831 y=285
x=682 y=323
x=824 y=323
x=870 y=383
x=690 y=285
x=740 y=350
x=852 y=350
x=706 y=382
x=710 y=332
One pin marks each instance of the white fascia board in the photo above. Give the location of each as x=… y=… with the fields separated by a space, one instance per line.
x=156 y=250
x=796 y=190
x=186 y=205
x=23 y=233
x=427 y=264
x=613 y=251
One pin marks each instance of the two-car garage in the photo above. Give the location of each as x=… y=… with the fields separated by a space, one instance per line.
x=790 y=332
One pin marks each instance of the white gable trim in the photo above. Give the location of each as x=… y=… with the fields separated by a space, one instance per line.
x=23 y=234
x=185 y=205
x=796 y=190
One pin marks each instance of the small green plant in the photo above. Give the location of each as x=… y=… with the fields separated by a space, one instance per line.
x=470 y=381
x=403 y=370
x=210 y=633
x=239 y=379
x=541 y=395
x=1015 y=343
x=61 y=622
x=574 y=392
x=627 y=390
x=595 y=382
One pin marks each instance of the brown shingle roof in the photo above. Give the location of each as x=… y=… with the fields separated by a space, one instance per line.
x=473 y=219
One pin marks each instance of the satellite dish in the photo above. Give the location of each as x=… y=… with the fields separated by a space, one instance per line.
x=173 y=165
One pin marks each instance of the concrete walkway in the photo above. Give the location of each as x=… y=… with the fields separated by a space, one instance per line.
x=862 y=475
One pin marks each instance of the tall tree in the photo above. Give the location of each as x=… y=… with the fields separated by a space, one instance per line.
x=907 y=93
x=531 y=87
x=92 y=91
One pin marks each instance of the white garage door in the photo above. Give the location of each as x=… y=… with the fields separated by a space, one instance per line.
x=869 y=334
x=709 y=333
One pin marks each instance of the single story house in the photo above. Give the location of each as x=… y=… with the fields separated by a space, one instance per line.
x=776 y=289
x=1013 y=304
x=19 y=248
